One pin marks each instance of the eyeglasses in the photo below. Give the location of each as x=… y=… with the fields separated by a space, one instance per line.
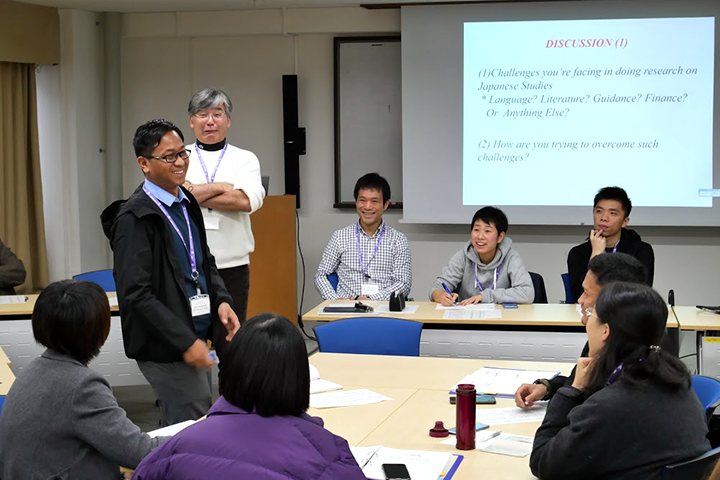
x=215 y=116
x=172 y=158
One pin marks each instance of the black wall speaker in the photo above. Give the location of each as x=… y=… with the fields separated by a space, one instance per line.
x=293 y=137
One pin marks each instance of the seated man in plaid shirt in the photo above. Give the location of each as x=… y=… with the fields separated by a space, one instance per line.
x=371 y=258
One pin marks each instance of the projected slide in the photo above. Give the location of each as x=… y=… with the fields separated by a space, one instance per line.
x=553 y=110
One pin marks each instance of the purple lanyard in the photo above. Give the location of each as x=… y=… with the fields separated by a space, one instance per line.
x=495 y=276
x=614 y=375
x=190 y=251
x=615 y=247
x=377 y=246
x=202 y=163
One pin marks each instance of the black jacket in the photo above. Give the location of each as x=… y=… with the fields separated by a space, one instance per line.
x=621 y=432
x=630 y=243
x=154 y=307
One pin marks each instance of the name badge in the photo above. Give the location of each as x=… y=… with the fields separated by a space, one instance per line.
x=200 y=305
x=368 y=289
x=212 y=223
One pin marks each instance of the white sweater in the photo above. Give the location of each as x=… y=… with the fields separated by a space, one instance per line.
x=232 y=243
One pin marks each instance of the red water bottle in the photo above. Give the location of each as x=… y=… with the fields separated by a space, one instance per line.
x=465 y=417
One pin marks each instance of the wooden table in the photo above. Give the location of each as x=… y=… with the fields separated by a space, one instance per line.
x=419 y=389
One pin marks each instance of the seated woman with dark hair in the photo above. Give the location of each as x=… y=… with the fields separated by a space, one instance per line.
x=60 y=418
x=258 y=428
x=631 y=409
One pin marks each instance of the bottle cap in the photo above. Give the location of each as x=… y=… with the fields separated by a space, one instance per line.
x=439 y=430
x=465 y=389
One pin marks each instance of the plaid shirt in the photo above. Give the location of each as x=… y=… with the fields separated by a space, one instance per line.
x=390 y=269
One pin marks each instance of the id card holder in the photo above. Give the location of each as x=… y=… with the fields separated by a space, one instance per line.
x=200 y=305
x=369 y=288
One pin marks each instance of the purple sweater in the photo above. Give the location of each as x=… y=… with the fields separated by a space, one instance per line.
x=232 y=444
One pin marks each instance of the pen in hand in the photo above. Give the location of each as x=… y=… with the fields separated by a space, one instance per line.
x=448 y=291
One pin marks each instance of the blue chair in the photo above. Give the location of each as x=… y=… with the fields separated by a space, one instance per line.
x=698 y=468
x=569 y=297
x=707 y=390
x=104 y=278
x=333 y=279
x=370 y=335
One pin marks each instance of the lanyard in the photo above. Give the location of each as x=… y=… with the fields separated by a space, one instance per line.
x=377 y=246
x=495 y=276
x=202 y=163
x=190 y=251
x=614 y=375
x=615 y=247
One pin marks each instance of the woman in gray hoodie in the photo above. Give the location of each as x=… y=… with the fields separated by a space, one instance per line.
x=487 y=269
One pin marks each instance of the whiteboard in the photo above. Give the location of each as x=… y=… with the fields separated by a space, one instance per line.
x=368 y=114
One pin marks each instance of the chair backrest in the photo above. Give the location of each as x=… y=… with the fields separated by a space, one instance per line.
x=333 y=279
x=539 y=284
x=104 y=278
x=698 y=468
x=707 y=390
x=569 y=297
x=370 y=335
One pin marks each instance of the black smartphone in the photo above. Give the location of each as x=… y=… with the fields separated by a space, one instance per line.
x=395 y=471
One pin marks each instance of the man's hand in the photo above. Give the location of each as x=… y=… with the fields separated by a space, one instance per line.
x=597 y=242
x=529 y=393
x=198 y=355
x=582 y=372
x=472 y=300
x=444 y=298
x=229 y=319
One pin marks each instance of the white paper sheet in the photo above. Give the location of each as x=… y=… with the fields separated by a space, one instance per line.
x=8 y=299
x=507 y=444
x=474 y=306
x=408 y=310
x=504 y=416
x=422 y=465
x=503 y=381
x=113 y=301
x=171 y=429
x=319 y=385
x=472 y=314
x=361 y=396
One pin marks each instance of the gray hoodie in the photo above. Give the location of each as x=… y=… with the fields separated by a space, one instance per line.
x=513 y=280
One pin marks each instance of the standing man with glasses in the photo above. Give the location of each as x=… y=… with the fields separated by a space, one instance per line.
x=226 y=182
x=170 y=294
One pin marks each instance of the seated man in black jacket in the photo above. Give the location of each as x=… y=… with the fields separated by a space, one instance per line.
x=12 y=271
x=602 y=270
x=611 y=214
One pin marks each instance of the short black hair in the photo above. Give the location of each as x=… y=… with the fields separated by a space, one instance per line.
x=72 y=317
x=617 y=267
x=266 y=368
x=148 y=135
x=614 y=193
x=491 y=215
x=373 y=181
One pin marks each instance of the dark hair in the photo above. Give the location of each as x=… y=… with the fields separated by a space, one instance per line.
x=637 y=316
x=617 y=267
x=266 y=368
x=491 y=215
x=148 y=135
x=72 y=317
x=614 y=193
x=373 y=181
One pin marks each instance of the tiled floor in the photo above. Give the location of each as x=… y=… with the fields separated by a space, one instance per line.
x=139 y=401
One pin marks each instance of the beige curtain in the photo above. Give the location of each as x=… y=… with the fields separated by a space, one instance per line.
x=22 y=226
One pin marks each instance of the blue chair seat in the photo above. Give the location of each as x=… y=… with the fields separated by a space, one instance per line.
x=707 y=390
x=370 y=335
x=104 y=278
x=569 y=297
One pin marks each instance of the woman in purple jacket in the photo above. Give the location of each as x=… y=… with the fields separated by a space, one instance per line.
x=258 y=428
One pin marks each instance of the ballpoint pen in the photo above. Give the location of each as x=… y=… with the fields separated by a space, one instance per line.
x=448 y=291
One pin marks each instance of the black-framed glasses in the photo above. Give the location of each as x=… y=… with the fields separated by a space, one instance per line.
x=184 y=154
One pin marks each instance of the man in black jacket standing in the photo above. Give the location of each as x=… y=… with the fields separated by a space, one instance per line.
x=611 y=214
x=169 y=291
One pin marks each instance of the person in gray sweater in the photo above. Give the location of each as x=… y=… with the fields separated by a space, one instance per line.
x=60 y=419
x=487 y=269
x=631 y=409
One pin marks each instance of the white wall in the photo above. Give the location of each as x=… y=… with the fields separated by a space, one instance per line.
x=166 y=57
